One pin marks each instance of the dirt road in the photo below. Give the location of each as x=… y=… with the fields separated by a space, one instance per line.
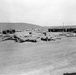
x=44 y=57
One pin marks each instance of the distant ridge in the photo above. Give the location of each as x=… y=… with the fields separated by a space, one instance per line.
x=18 y=26
x=23 y=26
x=68 y=26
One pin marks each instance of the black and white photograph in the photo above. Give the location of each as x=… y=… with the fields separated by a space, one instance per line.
x=37 y=37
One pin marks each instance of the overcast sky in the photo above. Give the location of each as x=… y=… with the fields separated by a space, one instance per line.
x=40 y=12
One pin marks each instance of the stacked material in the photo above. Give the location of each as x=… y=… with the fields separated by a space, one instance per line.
x=26 y=36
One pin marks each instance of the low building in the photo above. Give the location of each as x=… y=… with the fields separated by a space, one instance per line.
x=61 y=29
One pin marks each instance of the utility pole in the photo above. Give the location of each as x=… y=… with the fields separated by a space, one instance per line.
x=63 y=26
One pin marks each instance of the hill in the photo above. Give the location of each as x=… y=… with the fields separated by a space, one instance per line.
x=23 y=26
x=18 y=26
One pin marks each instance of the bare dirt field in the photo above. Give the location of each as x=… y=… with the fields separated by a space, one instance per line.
x=41 y=58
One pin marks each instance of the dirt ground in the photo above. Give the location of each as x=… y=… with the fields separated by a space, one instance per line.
x=41 y=58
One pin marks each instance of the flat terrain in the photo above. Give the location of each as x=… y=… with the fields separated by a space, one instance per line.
x=41 y=58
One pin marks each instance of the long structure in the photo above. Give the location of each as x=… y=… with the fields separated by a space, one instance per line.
x=62 y=30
